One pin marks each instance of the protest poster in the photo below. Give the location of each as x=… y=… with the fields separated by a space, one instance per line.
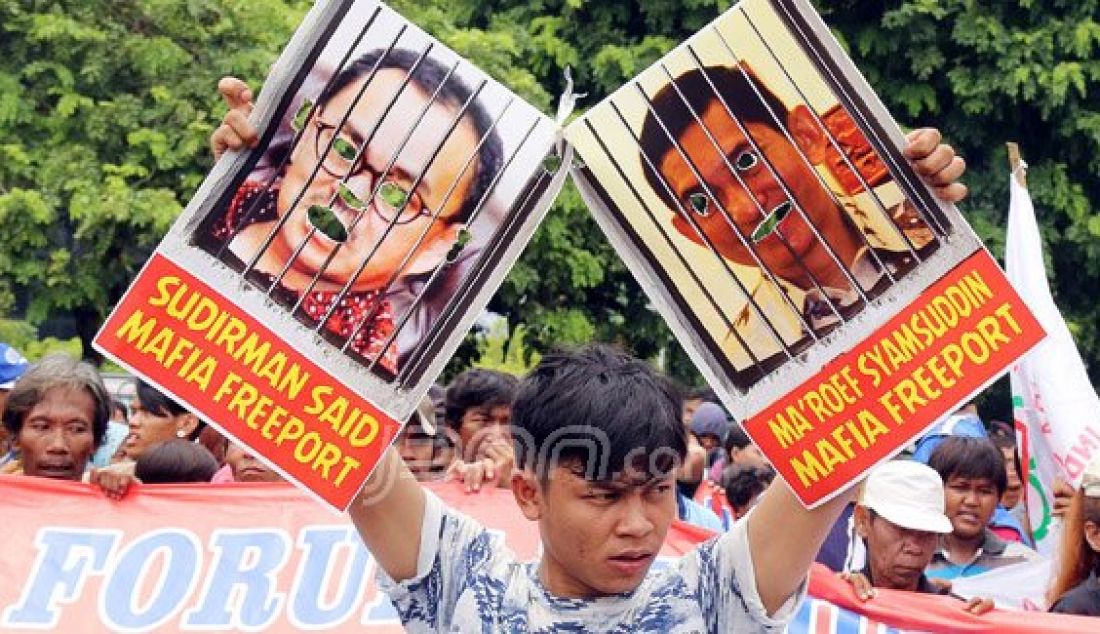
x=756 y=187
x=265 y=558
x=316 y=285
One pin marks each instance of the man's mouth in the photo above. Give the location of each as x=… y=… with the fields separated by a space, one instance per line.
x=771 y=221
x=132 y=439
x=632 y=562
x=327 y=222
x=56 y=470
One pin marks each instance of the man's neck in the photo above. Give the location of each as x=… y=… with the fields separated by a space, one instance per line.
x=962 y=550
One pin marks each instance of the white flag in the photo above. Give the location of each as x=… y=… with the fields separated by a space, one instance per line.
x=1056 y=409
x=1020 y=586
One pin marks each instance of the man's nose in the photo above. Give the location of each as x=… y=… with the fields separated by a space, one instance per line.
x=748 y=202
x=634 y=521
x=55 y=442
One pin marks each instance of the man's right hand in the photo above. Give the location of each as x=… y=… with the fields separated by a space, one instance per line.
x=236 y=131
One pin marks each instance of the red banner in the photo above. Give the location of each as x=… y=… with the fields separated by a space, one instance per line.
x=198 y=346
x=868 y=403
x=170 y=558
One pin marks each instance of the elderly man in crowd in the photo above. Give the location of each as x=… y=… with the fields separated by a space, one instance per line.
x=900 y=517
x=57 y=416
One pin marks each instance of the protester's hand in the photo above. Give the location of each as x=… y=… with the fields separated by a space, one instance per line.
x=236 y=131
x=1063 y=495
x=936 y=163
x=860 y=584
x=504 y=458
x=114 y=480
x=979 y=605
x=474 y=474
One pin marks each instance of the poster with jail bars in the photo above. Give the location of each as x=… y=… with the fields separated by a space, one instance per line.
x=316 y=285
x=756 y=187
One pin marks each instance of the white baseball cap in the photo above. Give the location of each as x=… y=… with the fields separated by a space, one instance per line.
x=908 y=494
x=1090 y=480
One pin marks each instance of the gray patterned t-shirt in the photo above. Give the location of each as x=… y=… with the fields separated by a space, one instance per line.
x=469 y=581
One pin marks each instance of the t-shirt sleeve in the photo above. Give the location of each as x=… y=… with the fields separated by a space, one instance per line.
x=726 y=578
x=454 y=549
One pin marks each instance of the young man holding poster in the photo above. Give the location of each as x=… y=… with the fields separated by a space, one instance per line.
x=599 y=437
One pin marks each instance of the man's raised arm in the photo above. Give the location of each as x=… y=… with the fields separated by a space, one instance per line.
x=784 y=537
x=389 y=513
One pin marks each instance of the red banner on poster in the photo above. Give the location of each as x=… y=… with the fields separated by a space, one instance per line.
x=868 y=403
x=207 y=352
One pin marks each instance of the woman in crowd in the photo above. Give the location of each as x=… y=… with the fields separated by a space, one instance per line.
x=155 y=418
x=1076 y=589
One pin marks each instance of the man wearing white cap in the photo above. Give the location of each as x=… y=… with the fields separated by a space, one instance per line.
x=900 y=517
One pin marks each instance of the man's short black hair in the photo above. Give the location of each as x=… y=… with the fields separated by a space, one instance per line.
x=176 y=461
x=477 y=387
x=430 y=75
x=969 y=457
x=602 y=409
x=736 y=438
x=743 y=482
x=739 y=94
x=703 y=393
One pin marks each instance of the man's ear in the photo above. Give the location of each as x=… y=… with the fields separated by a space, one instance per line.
x=434 y=250
x=862 y=519
x=807 y=133
x=1092 y=535
x=525 y=488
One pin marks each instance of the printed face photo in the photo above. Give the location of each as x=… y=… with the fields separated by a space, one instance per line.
x=741 y=178
x=385 y=180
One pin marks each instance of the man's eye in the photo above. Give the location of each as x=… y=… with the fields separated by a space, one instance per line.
x=746 y=160
x=345 y=148
x=392 y=194
x=700 y=204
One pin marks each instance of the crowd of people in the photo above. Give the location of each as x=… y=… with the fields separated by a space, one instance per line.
x=604 y=454
x=950 y=507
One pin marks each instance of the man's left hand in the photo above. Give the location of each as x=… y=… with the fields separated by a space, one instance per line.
x=936 y=163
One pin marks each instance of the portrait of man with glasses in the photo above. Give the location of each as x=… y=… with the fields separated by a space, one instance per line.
x=348 y=221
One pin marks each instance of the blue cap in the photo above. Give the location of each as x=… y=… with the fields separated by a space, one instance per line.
x=12 y=366
x=710 y=419
x=957 y=424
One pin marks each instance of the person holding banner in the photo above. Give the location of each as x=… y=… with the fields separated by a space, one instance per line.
x=900 y=516
x=974 y=479
x=1076 y=589
x=407 y=224
x=736 y=169
x=57 y=416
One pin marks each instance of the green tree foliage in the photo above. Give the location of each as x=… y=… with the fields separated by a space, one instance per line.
x=105 y=111
x=105 y=107
x=992 y=71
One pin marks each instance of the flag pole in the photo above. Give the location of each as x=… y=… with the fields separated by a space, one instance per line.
x=1015 y=161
